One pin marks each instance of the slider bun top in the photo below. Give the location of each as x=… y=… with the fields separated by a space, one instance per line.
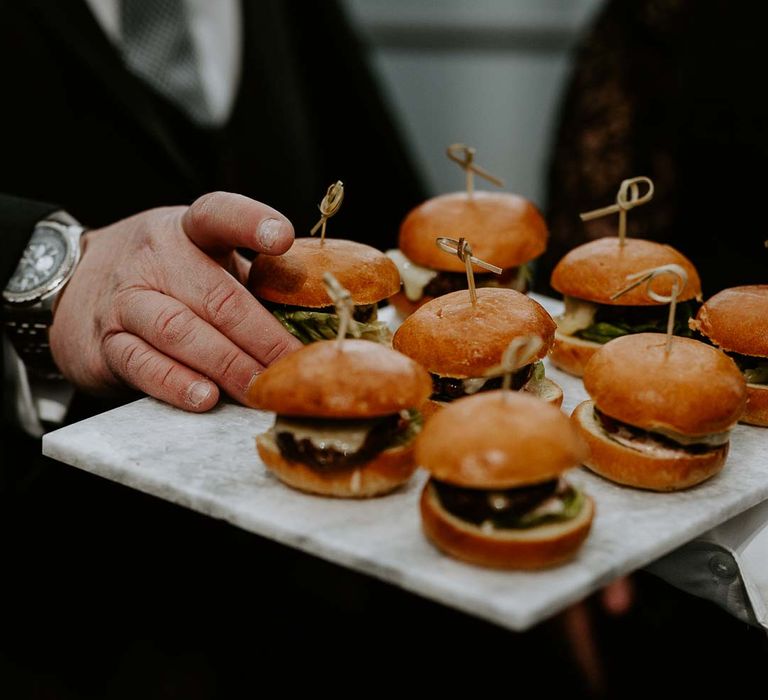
x=451 y=337
x=296 y=277
x=498 y=440
x=694 y=390
x=736 y=319
x=503 y=229
x=359 y=379
x=596 y=270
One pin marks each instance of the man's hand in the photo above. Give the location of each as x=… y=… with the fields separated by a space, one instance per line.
x=151 y=304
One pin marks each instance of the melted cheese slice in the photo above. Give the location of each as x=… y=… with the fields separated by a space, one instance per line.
x=577 y=316
x=414 y=277
x=346 y=437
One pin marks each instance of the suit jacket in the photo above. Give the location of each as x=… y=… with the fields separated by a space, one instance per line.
x=82 y=131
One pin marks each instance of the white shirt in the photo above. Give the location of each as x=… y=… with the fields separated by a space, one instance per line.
x=216 y=29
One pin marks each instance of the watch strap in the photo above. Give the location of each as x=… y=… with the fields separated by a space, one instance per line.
x=26 y=325
x=27 y=329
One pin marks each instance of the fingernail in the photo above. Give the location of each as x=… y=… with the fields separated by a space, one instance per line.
x=268 y=233
x=198 y=392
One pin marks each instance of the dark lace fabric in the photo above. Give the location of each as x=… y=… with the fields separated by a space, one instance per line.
x=676 y=90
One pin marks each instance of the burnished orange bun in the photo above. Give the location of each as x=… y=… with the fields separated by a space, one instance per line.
x=452 y=337
x=693 y=390
x=503 y=229
x=357 y=379
x=498 y=440
x=296 y=277
x=596 y=270
x=736 y=320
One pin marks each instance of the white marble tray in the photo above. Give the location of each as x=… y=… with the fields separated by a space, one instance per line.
x=208 y=463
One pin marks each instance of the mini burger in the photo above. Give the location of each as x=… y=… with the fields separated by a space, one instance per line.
x=462 y=344
x=659 y=419
x=588 y=276
x=346 y=418
x=736 y=320
x=291 y=287
x=496 y=496
x=503 y=229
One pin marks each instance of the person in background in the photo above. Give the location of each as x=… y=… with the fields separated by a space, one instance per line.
x=670 y=89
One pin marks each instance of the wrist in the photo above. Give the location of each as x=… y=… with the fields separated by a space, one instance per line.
x=29 y=298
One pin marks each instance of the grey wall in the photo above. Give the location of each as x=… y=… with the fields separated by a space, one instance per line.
x=485 y=72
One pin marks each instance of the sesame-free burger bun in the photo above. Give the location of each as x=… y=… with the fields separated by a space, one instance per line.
x=357 y=379
x=756 y=412
x=296 y=277
x=736 y=320
x=596 y=270
x=670 y=470
x=498 y=440
x=694 y=390
x=452 y=337
x=536 y=548
x=503 y=229
x=571 y=354
x=382 y=474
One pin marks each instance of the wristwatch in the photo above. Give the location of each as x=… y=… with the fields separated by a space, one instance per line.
x=45 y=268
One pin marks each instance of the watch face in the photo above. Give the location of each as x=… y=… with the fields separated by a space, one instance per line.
x=42 y=259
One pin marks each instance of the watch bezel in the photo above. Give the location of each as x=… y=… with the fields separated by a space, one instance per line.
x=55 y=284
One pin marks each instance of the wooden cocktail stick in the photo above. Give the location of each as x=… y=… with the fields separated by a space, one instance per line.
x=463 y=251
x=646 y=277
x=627 y=198
x=465 y=156
x=345 y=307
x=329 y=205
x=518 y=353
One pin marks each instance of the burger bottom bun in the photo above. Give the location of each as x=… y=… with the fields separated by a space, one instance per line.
x=757 y=405
x=571 y=354
x=624 y=465
x=534 y=548
x=545 y=389
x=384 y=473
x=404 y=305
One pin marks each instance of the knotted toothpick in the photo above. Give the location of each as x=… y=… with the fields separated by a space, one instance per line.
x=345 y=307
x=329 y=205
x=646 y=277
x=463 y=251
x=628 y=198
x=465 y=156
x=519 y=352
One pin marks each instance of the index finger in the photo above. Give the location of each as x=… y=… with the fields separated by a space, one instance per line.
x=220 y=300
x=219 y=222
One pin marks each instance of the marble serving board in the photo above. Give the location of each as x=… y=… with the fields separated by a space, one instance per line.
x=208 y=463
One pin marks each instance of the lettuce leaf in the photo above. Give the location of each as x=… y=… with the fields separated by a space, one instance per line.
x=603 y=331
x=310 y=326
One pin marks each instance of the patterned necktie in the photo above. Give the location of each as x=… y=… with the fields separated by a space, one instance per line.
x=157 y=46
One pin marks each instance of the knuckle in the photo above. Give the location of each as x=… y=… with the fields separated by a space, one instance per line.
x=223 y=305
x=202 y=211
x=133 y=360
x=173 y=325
x=227 y=363
x=276 y=349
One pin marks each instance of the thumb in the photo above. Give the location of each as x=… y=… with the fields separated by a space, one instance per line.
x=219 y=222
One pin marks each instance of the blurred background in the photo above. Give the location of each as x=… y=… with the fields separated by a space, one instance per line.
x=495 y=70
